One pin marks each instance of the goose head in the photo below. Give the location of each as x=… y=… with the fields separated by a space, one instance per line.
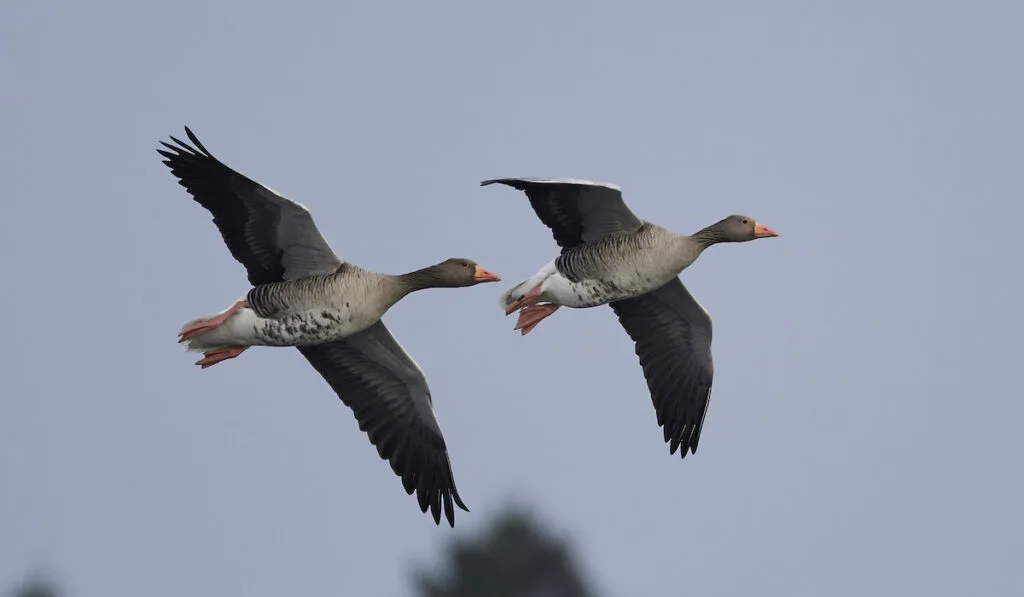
x=734 y=229
x=458 y=272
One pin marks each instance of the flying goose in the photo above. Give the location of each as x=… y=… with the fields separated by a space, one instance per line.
x=609 y=256
x=303 y=295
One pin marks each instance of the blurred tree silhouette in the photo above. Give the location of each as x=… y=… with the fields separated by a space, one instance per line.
x=36 y=588
x=514 y=557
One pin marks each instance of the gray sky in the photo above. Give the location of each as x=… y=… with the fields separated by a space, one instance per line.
x=863 y=432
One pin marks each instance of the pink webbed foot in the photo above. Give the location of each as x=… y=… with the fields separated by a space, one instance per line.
x=528 y=299
x=533 y=315
x=206 y=325
x=212 y=357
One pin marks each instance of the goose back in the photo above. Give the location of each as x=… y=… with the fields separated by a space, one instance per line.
x=650 y=252
x=349 y=286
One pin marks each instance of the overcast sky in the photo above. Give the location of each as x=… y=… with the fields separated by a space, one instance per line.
x=863 y=435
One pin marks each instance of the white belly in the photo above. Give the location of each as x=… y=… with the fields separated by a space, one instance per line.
x=311 y=327
x=583 y=294
x=557 y=289
x=591 y=293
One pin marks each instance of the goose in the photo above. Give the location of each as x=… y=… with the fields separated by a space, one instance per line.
x=303 y=295
x=610 y=256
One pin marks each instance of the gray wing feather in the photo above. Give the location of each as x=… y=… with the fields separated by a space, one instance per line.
x=672 y=333
x=389 y=396
x=576 y=211
x=274 y=238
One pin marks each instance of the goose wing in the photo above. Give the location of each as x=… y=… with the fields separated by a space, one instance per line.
x=576 y=211
x=274 y=238
x=672 y=333
x=388 y=393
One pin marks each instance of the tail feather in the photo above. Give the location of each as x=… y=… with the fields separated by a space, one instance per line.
x=192 y=322
x=516 y=292
x=203 y=341
x=236 y=331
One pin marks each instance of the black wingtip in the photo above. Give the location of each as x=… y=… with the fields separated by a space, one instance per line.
x=682 y=445
x=192 y=136
x=168 y=154
x=448 y=498
x=516 y=183
x=512 y=182
x=449 y=512
x=435 y=511
x=182 y=148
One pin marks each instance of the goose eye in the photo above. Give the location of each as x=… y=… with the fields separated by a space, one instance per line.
x=745 y=221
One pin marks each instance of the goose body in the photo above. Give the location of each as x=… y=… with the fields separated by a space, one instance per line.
x=321 y=309
x=302 y=295
x=305 y=312
x=611 y=257
x=609 y=269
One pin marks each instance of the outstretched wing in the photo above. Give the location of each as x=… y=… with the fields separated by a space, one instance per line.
x=274 y=238
x=389 y=396
x=672 y=333
x=576 y=211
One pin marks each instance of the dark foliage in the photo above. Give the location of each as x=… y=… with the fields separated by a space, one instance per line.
x=514 y=557
x=36 y=588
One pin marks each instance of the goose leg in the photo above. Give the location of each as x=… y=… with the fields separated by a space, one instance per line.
x=528 y=299
x=212 y=357
x=205 y=325
x=532 y=315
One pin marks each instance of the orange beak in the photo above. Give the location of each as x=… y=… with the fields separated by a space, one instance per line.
x=762 y=231
x=483 y=275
